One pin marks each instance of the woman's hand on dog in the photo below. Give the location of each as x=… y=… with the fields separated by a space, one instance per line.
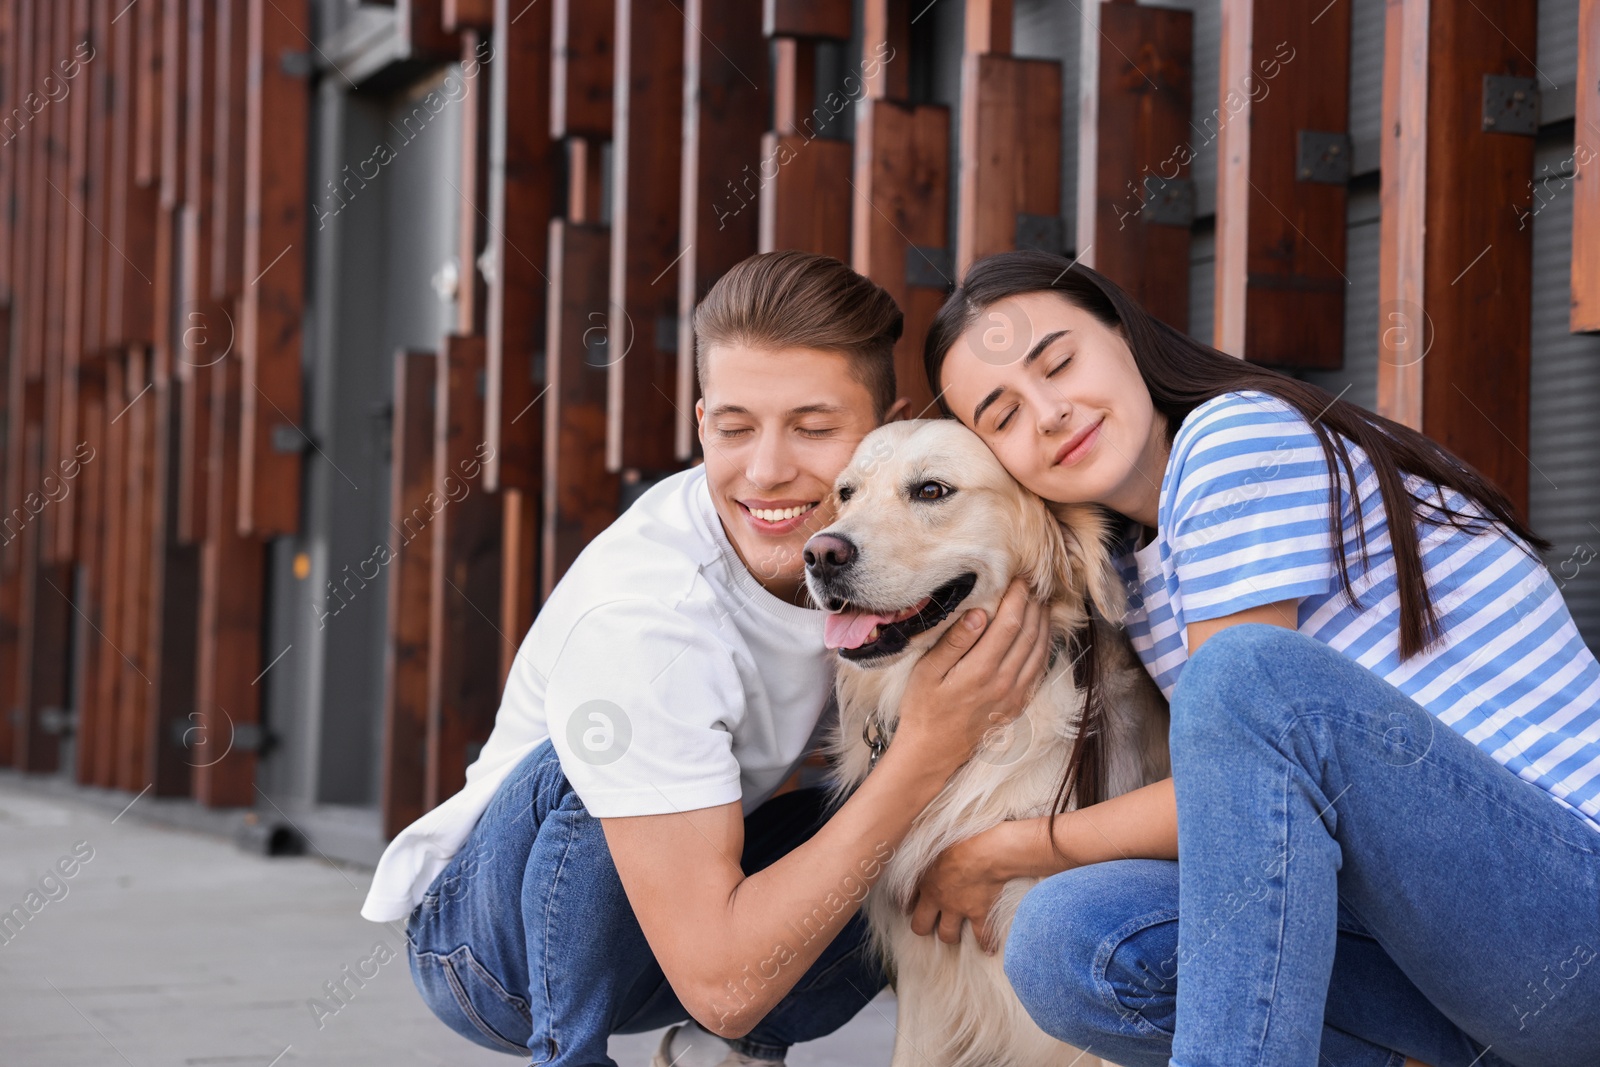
x=975 y=680
x=962 y=884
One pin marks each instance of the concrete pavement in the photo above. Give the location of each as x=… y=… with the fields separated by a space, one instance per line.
x=146 y=946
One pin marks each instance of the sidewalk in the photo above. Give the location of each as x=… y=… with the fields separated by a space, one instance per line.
x=148 y=946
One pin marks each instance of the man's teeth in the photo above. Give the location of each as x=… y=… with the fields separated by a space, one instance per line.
x=780 y=514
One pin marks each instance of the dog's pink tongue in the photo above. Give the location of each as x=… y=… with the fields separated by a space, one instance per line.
x=849 y=629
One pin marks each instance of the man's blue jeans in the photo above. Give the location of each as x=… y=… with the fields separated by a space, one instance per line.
x=526 y=941
x=1357 y=881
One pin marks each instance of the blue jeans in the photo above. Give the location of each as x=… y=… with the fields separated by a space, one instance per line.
x=526 y=941
x=1358 y=881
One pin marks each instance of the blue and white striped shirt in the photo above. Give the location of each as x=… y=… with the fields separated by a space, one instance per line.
x=1243 y=521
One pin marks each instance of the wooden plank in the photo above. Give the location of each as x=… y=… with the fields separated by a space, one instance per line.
x=1010 y=161
x=807 y=202
x=74 y=236
x=473 y=184
x=902 y=179
x=172 y=584
x=1586 y=189
x=32 y=301
x=175 y=43
x=107 y=654
x=49 y=311
x=12 y=114
x=647 y=156
x=205 y=333
x=232 y=602
x=136 y=691
x=1455 y=267
x=274 y=256
x=886 y=37
x=130 y=291
x=102 y=88
x=89 y=621
x=807 y=18
x=10 y=635
x=464 y=584
x=413 y=502
x=150 y=115
x=1133 y=130
x=10 y=571
x=581 y=495
x=459 y=15
x=45 y=639
x=987 y=27
x=1281 y=239
x=521 y=191
x=583 y=64
x=19 y=148
x=519 y=571
x=585 y=189
x=794 y=92
x=421 y=25
x=723 y=122
x=230 y=116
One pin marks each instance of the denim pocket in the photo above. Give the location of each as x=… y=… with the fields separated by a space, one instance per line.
x=471 y=1001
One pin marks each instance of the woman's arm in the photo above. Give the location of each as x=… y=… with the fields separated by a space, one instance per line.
x=964 y=881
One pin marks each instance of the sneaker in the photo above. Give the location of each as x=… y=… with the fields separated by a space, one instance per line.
x=687 y=1045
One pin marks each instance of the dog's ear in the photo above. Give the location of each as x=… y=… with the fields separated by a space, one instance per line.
x=1046 y=563
x=1084 y=530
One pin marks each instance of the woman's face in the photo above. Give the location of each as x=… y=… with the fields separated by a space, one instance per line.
x=1057 y=397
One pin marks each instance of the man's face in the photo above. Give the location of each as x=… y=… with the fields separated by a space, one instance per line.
x=777 y=427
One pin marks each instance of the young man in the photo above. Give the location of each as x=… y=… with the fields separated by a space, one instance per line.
x=591 y=878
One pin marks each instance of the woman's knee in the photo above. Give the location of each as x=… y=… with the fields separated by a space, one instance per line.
x=1070 y=954
x=1234 y=680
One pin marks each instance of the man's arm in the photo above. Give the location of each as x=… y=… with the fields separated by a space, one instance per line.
x=733 y=946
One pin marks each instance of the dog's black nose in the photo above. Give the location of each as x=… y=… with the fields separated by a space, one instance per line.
x=826 y=554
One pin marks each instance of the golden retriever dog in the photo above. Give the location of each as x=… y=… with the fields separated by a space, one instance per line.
x=930 y=524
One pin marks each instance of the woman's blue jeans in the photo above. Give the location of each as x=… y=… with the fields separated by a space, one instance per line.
x=526 y=942
x=1357 y=881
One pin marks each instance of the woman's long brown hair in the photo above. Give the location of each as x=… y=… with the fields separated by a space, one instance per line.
x=1181 y=374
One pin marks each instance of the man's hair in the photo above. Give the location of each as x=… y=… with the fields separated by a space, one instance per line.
x=795 y=299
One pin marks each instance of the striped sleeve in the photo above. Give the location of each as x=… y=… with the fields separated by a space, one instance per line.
x=1247 y=508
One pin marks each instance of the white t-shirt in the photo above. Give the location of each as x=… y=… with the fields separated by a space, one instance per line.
x=665 y=676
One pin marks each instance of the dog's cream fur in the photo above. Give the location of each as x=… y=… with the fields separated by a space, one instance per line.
x=956 y=1007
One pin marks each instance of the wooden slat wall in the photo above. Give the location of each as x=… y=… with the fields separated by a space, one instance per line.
x=124 y=266
x=153 y=278
x=1455 y=270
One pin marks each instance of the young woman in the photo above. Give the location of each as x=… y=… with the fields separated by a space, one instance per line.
x=1383 y=821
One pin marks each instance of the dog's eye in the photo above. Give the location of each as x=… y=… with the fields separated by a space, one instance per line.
x=932 y=491
x=846 y=492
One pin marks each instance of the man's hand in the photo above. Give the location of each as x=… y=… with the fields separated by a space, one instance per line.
x=975 y=679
